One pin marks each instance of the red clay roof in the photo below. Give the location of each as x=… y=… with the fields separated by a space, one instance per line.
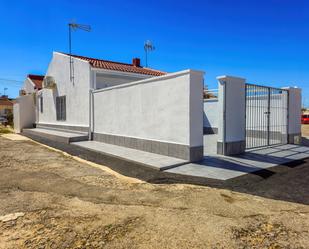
x=118 y=66
x=5 y=101
x=37 y=80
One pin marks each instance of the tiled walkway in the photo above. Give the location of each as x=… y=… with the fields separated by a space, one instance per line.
x=144 y=158
x=213 y=166
x=227 y=167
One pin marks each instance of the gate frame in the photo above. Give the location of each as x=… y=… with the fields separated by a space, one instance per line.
x=269 y=88
x=231 y=111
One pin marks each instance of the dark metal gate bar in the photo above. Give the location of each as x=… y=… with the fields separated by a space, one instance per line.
x=266 y=116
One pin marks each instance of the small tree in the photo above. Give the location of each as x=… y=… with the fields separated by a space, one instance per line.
x=9 y=117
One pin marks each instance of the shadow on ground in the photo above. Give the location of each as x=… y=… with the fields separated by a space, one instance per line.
x=287 y=182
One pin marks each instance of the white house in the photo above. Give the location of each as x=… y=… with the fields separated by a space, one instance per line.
x=67 y=104
x=123 y=104
x=164 y=113
x=32 y=83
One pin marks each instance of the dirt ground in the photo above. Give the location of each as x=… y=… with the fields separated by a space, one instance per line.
x=305 y=130
x=51 y=200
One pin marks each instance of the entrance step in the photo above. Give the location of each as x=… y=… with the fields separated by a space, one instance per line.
x=57 y=135
x=151 y=160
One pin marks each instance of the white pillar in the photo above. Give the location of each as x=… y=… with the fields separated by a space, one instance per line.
x=232 y=111
x=294 y=115
x=16 y=117
x=196 y=112
x=24 y=113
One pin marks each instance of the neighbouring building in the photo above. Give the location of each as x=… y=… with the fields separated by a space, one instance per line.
x=6 y=106
x=32 y=83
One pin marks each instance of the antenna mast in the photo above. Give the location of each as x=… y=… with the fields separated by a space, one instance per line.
x=73 y=27
x=148 y=47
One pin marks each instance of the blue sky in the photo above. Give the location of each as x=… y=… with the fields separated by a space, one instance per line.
x=266 y=41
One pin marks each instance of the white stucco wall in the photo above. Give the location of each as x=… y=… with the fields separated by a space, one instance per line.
x=167 y=109
x=231 y=109
x=294 y=110
x=77 y=94
x=28 y=86
x=211 y=114
x=24 y=112
x=108 y=79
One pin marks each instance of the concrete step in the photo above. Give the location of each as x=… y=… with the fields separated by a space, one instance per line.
x=60 y=128
x=143 y=158
x=57 y=135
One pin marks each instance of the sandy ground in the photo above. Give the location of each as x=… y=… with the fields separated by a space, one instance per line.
x=51 y=200
x=305 y=130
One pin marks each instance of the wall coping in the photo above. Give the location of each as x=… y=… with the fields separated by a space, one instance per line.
x=227 y=77
x=144 y=81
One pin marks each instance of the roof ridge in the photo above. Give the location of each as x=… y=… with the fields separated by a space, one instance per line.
x=35 y=75
x=92 y=58
x=126 y=67
x=156 y=70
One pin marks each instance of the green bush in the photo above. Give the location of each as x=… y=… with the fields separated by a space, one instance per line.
x=9 y=117
x=5 y=130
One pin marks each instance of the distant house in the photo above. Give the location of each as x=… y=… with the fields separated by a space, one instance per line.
x=6 y=106
x=32 y=83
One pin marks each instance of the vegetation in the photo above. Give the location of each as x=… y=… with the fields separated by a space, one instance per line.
x=5 y=129
x=9 y=117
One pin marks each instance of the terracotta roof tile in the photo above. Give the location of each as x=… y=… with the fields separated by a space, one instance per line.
x=37 y=80
x=5 y=101
x=118 y=66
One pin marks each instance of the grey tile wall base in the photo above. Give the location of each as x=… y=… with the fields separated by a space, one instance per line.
x=63 y=127
x=210 y=130
x=294 y=138
x=181 y=151
x=231 y=148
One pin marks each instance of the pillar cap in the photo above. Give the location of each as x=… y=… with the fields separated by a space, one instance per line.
x=228 y=77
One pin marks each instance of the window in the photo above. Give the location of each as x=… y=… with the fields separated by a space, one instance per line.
x=61 y=108
x=41 y=104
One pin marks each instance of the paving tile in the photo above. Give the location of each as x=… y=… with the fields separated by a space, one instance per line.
x=142 y=157
x=227 y=167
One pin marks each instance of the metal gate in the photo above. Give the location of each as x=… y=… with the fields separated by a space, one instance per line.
x=266 y=116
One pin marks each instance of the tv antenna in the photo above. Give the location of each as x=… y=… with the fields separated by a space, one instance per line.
x=4 y=89
x=73 y=27
x=148 y=47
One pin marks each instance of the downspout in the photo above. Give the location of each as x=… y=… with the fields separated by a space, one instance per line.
x=90 y=114
x=224 y=119
x=91 y=105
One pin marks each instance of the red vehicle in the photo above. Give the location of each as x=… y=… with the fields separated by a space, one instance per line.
x=305 y=118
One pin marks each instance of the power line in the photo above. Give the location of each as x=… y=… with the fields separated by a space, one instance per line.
x=19 y=81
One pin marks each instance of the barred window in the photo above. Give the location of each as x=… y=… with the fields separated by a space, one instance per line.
x=61 y=108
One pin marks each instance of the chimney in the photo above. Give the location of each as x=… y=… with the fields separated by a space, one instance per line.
x=136 y=62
